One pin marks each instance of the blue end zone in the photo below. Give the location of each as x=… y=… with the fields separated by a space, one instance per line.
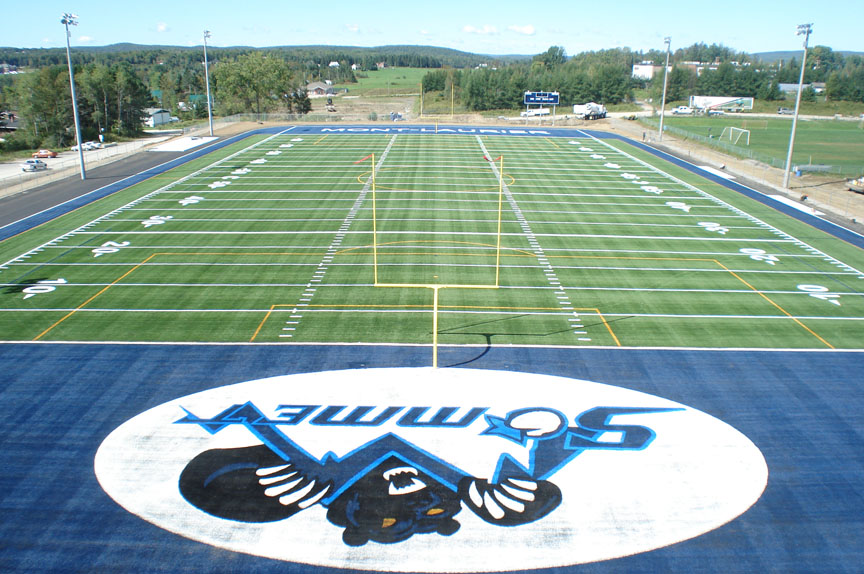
x=59 y=401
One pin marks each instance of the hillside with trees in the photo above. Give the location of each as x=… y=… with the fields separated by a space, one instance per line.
x=117 y=83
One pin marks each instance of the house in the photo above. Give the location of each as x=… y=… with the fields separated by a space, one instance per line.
x=646 y=70
x=319 y=90
x=156 y=117
x=333 y=64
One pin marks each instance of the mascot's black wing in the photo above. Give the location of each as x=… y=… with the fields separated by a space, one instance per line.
x=251 y=484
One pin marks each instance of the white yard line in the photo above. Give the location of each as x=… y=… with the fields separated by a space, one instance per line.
x=576 y=322
x=734 y=209
x=361 y=310
x=327 y=260
x=110 y=214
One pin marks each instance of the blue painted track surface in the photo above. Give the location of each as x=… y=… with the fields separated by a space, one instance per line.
x=805 y=411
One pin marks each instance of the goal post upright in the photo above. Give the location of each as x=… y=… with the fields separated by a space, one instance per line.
x=498 y=234
x=374 y=224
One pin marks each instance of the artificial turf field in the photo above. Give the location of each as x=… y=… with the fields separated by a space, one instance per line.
x=632 y=276
x=271 y=240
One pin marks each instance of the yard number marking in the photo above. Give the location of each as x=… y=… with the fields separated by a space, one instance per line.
x=44 y=286
x=109 y=247
x=678 y=205
x=156 y=220
x=711 y=226
x=759 y=255
x=820 y=292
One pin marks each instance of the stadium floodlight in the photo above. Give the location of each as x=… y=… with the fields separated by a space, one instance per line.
x=803 y=29
x=72 y=20
x=207 y=80
x=668 y=41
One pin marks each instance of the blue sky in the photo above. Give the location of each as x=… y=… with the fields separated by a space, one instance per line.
x=480 y=26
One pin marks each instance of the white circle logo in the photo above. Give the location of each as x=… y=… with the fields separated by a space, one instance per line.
x=431 y=470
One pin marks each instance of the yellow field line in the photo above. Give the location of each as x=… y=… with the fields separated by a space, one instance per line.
x=264 y=320
x=79 y=307
x=552 y=142
x=782 y=310
x=321 y=139
x=606 y=323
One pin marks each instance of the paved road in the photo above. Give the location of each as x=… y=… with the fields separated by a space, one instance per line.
x=27 y=203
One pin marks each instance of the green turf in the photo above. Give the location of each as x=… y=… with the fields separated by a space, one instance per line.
x=285 y=253
x=828 y=142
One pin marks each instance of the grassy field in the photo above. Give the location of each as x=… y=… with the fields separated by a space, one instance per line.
x=386 y=82
x=285 y=239
x=830 y=142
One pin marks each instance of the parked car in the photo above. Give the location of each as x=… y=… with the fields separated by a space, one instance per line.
x=45 y=153
x=34 y=165
x=87 y=146
x=785 y=111
x=716 y=113
x=683 y=111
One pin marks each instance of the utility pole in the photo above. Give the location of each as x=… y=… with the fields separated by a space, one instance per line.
x=803 y=29
x=72 y=20
x=207 y=79
x=668 y=41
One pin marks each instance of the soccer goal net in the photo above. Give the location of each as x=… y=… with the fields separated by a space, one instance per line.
x=736 y=135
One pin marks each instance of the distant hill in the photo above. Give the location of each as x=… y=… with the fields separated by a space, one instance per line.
x=448 y=56
x=771 y=57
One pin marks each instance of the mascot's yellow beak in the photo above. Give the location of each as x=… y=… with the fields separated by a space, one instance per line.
x=388 y=522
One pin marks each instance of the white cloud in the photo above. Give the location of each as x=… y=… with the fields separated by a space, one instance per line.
x=527 y=30
x=161 y=27
x=355 y=28
x=85 y=39
x=486 y=30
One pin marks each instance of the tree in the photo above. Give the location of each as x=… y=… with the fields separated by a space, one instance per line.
x=132 y=98
x=300 y=102
x=254 y=81
x=554 y=56
x=770 y=91
x=44 y=105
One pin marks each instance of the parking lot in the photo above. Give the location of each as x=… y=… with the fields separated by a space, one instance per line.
x=13 y=180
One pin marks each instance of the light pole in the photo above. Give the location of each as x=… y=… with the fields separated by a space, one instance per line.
x=804 y=29
x=668 y=41
x=207 y=79
x=67 y=20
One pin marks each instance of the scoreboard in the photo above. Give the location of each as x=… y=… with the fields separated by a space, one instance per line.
x=549 y=98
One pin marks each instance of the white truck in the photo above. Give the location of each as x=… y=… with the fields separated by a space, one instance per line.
x=535 y=112
x=683 y=111
x=589 y=111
